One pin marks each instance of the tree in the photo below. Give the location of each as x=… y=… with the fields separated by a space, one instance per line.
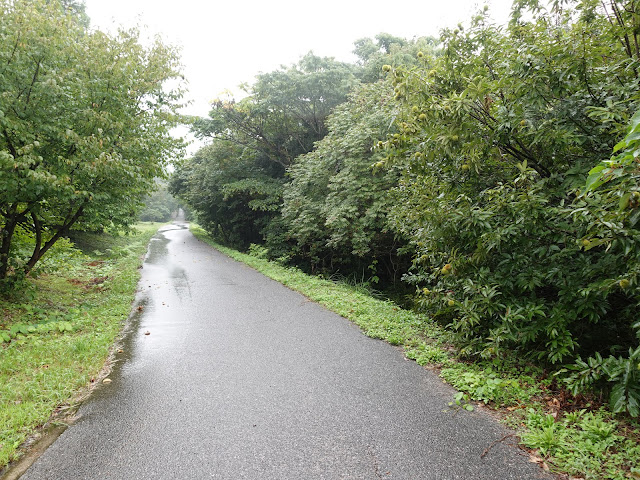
x=84 y=125
x=285 y=110
x=78 y=9
x=254 y=141
x=335 y=207
x=334 y=216
x=385 y=49
x=158 y=206
x=233 y=194
x=499 y=137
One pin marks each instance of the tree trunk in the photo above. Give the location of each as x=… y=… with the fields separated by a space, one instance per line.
x=39 y=251
x=6 y=235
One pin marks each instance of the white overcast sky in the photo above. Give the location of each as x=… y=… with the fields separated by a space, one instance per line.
x=225 y=43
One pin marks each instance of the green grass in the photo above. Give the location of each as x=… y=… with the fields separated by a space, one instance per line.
x=585 y=444
x=56 y=336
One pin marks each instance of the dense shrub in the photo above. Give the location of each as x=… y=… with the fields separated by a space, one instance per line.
x=498 y=139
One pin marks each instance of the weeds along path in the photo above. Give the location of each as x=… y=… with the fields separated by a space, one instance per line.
x=227 y=374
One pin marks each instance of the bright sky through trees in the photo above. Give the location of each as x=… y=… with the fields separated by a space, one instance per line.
x=226 y=43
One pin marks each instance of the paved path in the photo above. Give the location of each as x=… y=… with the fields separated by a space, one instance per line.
x=241 y=378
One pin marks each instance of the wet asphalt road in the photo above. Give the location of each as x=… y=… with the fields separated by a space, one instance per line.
x=241 y=378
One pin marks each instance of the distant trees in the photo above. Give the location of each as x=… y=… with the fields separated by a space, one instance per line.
x=84 y=125
x=159 y=206
x=235 y=184
x=284 y=112
x=233 y=193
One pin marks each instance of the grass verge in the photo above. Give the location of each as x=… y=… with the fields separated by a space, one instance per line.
x=572 y=437
x=56 y=334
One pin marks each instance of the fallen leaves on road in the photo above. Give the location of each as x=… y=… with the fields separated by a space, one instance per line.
x=539 y=461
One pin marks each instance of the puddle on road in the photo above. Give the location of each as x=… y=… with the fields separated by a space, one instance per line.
x=157 y=251
x=125 y=351
x=158 y=254
x=174 y=226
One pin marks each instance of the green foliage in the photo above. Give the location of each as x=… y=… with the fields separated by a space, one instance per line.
x=22 y=329
x=235 y=184
x=386 y=49
x=232 y=192
x=462 y=400
x=620 y=375
x=258 y=251
x=428 y=355
x=159 y=206
x=84 y=124
x=545 y=435
x=611 y=209
x=61 y=255
x=585 y=444
x=499 y=134
x=488 y=384
x=334 y=216
x=336 y=203
x=611 y=206
x=284 y=112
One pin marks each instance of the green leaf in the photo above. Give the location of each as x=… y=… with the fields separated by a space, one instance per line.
x=635 y=122
x=624 y=201
x=597 y=169
x=594 y=180
x=633 y=405
x=632 y=137
x=618 y=398
x=620 y=145
x=634 y=217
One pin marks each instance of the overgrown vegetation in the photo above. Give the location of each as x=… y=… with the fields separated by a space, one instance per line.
x=56 y=333
x=511 y=252
x=570 y=435
x=460 y=171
